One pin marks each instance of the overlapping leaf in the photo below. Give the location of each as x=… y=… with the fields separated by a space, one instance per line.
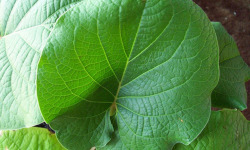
x=234 y=72
x=29 y=139
x=151 y=64
x=226 y=130
x=24 y=28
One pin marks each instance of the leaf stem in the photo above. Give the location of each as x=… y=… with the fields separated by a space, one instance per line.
x=113 y=107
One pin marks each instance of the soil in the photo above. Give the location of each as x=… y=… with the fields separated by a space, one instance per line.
x=44 y=125
x=235 y=17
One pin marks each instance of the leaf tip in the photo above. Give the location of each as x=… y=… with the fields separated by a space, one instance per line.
x=248 y=75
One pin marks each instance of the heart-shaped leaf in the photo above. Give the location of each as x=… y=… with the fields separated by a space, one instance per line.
x=29 y=139
x=234 y=72
x=226 y=130
x=24 y=28
x=151 y=64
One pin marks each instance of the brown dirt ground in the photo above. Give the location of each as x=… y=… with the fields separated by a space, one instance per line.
x=235 y=17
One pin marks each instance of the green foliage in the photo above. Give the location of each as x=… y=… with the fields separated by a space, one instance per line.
x=234 y=72
x=118 y=75
x=24 y=29
x=155 y=77
x=29 y=139
x=226 y=130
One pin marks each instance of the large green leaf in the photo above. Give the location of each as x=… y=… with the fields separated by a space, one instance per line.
x=234 y=72
x=226 y=130
x=29 y=139
x=24 y=28
x=151 y=64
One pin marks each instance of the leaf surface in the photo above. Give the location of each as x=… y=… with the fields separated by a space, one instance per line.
x=29 y=139
x=24 y=28
x=226 y=130
x=234 y=72
x=151 y=64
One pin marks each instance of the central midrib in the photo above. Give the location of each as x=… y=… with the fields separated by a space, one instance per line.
x=113 y=107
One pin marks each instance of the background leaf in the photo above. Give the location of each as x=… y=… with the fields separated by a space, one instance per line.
x=234 y=72
x=226 y=130
x=24 y=28
x=153 y=64
x=29 y=139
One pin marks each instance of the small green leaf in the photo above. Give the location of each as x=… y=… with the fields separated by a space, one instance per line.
x=234 y=72
x=150 y=64
x=29 y=139
x=226 y=130
x=24 y=28
x=115 y=143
